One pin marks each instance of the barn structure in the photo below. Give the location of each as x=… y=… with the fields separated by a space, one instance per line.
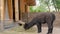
x=16 y=9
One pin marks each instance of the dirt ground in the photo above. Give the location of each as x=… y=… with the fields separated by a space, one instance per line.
x=33 y=30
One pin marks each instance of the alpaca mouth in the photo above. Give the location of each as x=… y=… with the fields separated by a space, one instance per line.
x=26 y=28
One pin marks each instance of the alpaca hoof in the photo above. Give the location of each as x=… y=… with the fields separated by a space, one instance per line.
x=39 y=33
x=49 y=33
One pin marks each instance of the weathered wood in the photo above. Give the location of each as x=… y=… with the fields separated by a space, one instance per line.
x=31 y=2
x=13 y=5
x=2 y=10
x=16 y=10
x=2 y=14
x=19 y=8
x=10 y=9
x=22 y=8
x=27 y=8
x=21 y=5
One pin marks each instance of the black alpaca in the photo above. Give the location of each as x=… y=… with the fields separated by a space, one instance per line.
x=40 y=19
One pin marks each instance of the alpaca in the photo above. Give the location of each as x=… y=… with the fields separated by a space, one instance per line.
x=40 y=19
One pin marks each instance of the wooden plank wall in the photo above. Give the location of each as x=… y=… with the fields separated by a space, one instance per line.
x=13 y=10
x=30 y=2
x=2 y=14
x=13 y=6
x=2 y=10
x=10 y=9
x=20 y=6
x=16 y=11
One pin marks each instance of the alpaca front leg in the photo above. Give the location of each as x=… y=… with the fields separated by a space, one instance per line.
x=39 y=27
x=50 y=28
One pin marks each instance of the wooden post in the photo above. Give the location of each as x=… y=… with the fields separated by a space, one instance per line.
x=27 y=9
x=0 y=10
x=10 y=9
x=16 y=10
x=2 y=14
x=22 y=7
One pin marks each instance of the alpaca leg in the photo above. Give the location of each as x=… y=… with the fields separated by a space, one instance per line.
x=39 y=27
x=50 y=28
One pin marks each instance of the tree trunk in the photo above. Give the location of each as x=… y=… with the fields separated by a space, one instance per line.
x=58 y=10
x=48 y=7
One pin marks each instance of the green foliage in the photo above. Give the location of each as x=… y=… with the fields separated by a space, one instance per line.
x=38 y=9
x=31 y=9
x=44 y=4
x=56 y=3
x=41 y=8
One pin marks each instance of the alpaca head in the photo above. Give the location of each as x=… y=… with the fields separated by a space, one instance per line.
x=26 y=26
